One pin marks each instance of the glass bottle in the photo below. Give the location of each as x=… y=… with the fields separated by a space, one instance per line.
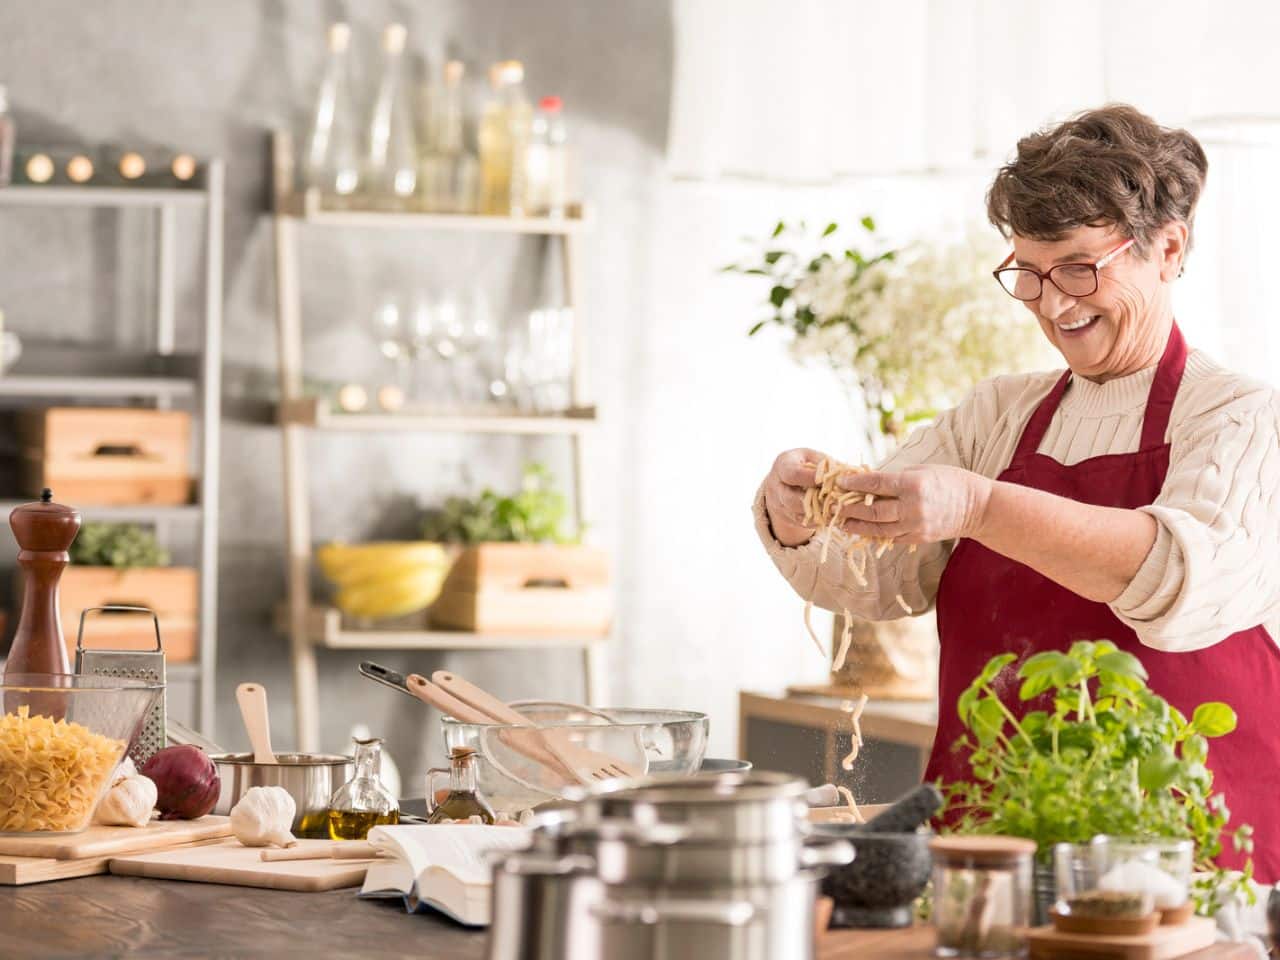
x=503 y=136
x=547 y=162
x=362 y=803
x=331 y=163
x=6 y=139
x=449 y=170
x=463 y=800
x=392 y=158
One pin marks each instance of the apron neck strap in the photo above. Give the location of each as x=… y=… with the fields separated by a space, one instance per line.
x=1155 y=421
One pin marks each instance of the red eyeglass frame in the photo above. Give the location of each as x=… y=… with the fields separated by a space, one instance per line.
x=1097 y=266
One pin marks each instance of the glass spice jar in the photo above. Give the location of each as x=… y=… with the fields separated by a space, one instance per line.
x=362 y=803
x=981 y=895
x=463 y=799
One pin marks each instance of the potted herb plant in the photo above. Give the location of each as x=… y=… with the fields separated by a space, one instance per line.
x=519 y=570
x=1106 y=755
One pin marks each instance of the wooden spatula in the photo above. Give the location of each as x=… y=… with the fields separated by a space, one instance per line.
x=586 y=764
x=252 y=698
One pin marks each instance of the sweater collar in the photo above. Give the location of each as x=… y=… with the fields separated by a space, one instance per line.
x=1084 y=398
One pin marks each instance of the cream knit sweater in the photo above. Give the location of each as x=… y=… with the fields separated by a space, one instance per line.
x=1215 y=565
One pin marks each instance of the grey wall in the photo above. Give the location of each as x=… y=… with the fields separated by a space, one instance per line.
x=214 y=78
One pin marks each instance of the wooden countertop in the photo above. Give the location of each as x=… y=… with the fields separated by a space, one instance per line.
x=910 y=722
x=119 y=916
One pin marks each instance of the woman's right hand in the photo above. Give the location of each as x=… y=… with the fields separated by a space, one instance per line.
x=792 y=474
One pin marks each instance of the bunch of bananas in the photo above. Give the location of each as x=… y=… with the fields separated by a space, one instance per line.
x=387 y=579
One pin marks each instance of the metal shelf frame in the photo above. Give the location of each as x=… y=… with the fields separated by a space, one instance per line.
x=310 y=627
x=203 y=389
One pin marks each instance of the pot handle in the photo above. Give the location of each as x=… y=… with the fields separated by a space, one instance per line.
x=529 y=864
x=826 y=853
x=733 y=913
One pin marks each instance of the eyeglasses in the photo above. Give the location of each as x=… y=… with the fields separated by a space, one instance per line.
x=1076 y=280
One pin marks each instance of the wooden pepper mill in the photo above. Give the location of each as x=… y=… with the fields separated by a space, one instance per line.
x=44 y=532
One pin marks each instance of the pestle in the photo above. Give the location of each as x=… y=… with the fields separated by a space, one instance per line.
x=907 y=812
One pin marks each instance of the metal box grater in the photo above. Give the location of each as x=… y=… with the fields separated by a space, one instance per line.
x=134 y=665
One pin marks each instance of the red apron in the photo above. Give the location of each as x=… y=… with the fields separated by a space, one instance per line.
x=989 y=604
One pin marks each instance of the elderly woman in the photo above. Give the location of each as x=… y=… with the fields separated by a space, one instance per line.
x=1131 y=497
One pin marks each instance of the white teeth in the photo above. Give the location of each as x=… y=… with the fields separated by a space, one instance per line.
x=1076 y=326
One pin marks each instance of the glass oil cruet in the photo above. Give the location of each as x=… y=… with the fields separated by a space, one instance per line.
x=463 y=800
x=362 y=803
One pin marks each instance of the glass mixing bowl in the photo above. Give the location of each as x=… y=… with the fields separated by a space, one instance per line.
x=652 y=741
x=61 y=738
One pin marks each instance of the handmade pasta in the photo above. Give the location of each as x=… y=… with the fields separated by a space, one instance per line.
x=854 y=812
x=855 y=739
x=822 y=505
x=51 y=772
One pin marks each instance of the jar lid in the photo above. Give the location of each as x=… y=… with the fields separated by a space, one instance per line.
x=982 y=851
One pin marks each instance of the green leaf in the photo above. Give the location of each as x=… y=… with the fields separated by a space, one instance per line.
x=1034 y=686
x=994 y=666
x=1195 y=749
x=1122 y=664
x=868 y=224
x=1040 y=663
x=965 y=703
x=1067 y=673
x=778 y=229
x=1213 y=719
x=988 y=720
x=756 y=329
x=778 y=295
x=773 y=256
x=831 y=228
x=1157 y=771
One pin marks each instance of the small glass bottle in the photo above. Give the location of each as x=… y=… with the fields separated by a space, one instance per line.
x=981 y=895
x=6 y=139
x=449 y=171
x=392 y=157
x=331 y=163
x=463 y=800
x=362 y=803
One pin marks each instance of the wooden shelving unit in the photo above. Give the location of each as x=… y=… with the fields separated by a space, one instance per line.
x=160 y=376
x=308 y=625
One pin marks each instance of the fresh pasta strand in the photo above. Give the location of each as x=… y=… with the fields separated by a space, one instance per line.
x=846 y=638
x=855 y=713
x=808 y=625
x=847 y=794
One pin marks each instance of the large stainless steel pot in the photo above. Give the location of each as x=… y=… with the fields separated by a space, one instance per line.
x=310 y=778
x=713 y=867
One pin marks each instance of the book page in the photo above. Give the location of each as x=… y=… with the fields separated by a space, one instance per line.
x=459 y=849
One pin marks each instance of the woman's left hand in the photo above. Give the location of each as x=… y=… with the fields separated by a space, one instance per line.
x=922 y=504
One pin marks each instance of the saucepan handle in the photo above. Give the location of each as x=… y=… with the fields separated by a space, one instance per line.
x=732 y=913
x=826 y=853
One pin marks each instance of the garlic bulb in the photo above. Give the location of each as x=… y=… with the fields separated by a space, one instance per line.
x=263 y=817
x=130 y=800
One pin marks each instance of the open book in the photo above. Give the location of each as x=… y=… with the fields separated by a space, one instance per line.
x=442 y=866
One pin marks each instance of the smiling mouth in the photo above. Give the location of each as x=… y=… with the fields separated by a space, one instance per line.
x=1078 y=325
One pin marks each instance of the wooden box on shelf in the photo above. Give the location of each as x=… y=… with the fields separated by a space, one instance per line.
x=109 y=456
x=172 y=592
x=526 y=588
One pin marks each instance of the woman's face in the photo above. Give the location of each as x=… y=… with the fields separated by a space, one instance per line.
x=1123 y=326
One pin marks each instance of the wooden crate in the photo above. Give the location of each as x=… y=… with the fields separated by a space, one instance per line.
x=107 y=456
x=172 y=592
x=526 y=588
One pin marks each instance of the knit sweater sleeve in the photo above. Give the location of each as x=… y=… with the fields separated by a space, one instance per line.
x=952 y=439
x=1215 y=566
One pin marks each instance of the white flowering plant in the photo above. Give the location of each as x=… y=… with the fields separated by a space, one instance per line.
x=913 y=328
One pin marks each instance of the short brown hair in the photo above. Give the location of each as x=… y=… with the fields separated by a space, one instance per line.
x=1113 y=166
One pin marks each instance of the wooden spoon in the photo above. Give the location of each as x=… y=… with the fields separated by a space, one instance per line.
x=252 y=698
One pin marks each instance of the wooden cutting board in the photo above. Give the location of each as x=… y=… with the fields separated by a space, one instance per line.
x=20 y=871
x=230 y=862
x=916 y=943
x=1162 y=943
x=99 y=842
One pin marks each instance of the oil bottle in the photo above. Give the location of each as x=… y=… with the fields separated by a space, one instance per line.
x=362 y=803
x=463 y=800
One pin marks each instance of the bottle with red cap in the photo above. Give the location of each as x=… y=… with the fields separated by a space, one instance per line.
x=547 y=161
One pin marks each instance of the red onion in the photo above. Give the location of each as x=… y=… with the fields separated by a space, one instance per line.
x=186 y=782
